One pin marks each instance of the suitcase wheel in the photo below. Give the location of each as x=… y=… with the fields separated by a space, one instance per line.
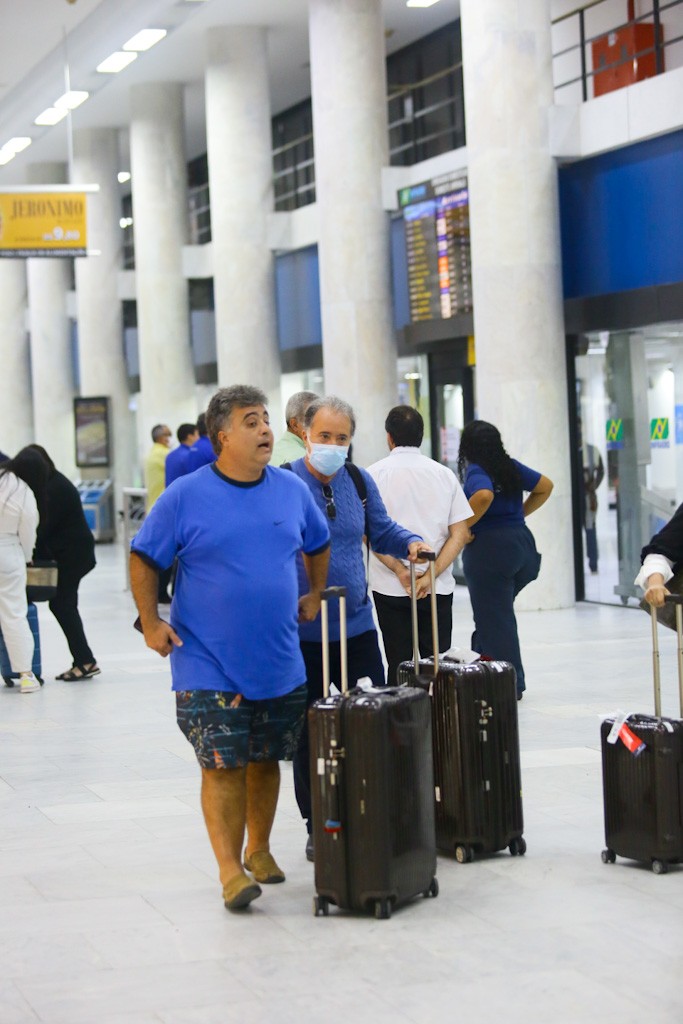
x=321 y=905
x=433 y=889
x=383 y=909
x=464 y=854
x=517 y=847
x=608 y=856
x=660 y=867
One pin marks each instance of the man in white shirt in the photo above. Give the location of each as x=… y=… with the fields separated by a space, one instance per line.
x=427 y=499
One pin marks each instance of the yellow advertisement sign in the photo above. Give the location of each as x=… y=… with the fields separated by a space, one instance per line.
x=43 y=224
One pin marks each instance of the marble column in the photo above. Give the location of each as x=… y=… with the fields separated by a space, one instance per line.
x=100 y=347
x=348 y=80
x=16 y=401
x=517 y=290
x=52 y=371
x=160 y=227
x=239 y=145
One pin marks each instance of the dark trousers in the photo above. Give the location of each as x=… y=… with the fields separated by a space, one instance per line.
x=395 y=621
x=498 y=564
x=364 y=659
x=64 y=607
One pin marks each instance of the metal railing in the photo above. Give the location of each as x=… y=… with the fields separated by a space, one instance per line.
x=294 y=178
x=199 y=202
x=418 y=130
x=132 y=516
x=584 y=36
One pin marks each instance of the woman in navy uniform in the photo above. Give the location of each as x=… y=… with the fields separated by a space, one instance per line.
x=501 y=557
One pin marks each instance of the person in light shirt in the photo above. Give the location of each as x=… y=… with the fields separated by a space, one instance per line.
x=427 y=498
x=660 y=560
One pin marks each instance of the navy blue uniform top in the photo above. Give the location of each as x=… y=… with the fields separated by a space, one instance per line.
x=504 y=510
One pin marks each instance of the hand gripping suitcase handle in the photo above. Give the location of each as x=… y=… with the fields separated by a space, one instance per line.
x=425 y=556
x=329 y=594
x=676 y=599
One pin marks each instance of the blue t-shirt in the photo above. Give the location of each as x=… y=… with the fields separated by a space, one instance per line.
x=347 y=559
x=235 y=604
x=201 y=454
x=177 y=463
x=503 y=510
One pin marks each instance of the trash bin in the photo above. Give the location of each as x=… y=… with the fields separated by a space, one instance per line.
x=97 y=499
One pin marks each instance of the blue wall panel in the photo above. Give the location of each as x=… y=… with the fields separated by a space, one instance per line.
x=621 y=218
x=297 y=294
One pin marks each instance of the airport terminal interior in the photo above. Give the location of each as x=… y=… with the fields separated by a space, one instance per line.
x=473 y=207
x=111 y=905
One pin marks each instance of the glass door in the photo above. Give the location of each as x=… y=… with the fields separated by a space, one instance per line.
x=630 y=408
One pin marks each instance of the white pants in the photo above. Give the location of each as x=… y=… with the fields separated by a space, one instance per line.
x=16 y=631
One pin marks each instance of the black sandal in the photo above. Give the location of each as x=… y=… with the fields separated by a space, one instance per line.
x=80 y=672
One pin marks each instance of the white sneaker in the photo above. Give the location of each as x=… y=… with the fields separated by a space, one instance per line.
x=28 y=682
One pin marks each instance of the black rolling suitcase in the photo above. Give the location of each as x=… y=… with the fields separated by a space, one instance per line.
x=372 y=791
x=642 y=775
x=477 y=775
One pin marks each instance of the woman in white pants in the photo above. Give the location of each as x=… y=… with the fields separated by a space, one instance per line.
x=18 y=524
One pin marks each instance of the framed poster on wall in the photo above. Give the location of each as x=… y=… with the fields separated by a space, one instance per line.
x=91 y=429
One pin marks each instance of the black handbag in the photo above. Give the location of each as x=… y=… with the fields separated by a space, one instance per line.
x=41 y=581
x=666 y=615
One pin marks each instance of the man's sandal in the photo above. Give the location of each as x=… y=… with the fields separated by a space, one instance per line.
x=79 y=672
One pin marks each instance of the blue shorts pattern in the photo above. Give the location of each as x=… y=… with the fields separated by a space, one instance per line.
x=255 y=730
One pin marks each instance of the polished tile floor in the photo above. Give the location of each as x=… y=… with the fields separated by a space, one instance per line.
x=110 y=908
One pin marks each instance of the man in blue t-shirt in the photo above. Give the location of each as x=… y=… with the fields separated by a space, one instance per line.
x=178 y=459
x=235 y=527
x=201 y=452
x=329 y=425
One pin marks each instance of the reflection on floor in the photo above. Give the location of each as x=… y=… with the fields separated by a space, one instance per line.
x=110 y=909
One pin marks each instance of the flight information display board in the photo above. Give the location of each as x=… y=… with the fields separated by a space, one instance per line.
x=437 y=226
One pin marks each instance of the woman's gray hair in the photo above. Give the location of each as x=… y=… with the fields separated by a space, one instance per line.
x=333 y=403
x=224 y=403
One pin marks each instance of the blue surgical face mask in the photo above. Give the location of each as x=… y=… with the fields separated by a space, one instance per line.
x=328 y=458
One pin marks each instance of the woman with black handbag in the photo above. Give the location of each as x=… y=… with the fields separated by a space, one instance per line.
x=64 y=535
x=23 y=482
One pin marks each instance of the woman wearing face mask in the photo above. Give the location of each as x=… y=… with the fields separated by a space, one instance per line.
x=329 y=424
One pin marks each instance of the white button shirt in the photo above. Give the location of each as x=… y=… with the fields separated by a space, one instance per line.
x=424 y=497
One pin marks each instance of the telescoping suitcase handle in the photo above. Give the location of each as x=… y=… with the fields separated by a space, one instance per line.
x=329 y=594
x=676 y=599
x=425 y=556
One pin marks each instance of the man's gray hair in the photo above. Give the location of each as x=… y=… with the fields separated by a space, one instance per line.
x=298 y=404
x=224 y=403
x=333 y=403
x=159 y=431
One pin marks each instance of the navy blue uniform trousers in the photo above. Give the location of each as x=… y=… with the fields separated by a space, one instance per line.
x=498 y=563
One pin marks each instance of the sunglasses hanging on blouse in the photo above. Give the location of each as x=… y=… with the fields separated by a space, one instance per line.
x=330 y=506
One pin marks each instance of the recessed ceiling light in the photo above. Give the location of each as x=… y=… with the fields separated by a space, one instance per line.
x=51 y=115
x=145 y=39
x=123 y=176
x=6 y=156
x=72 y=99
x=421 y=3
x=17 y=144
x=116 y=62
